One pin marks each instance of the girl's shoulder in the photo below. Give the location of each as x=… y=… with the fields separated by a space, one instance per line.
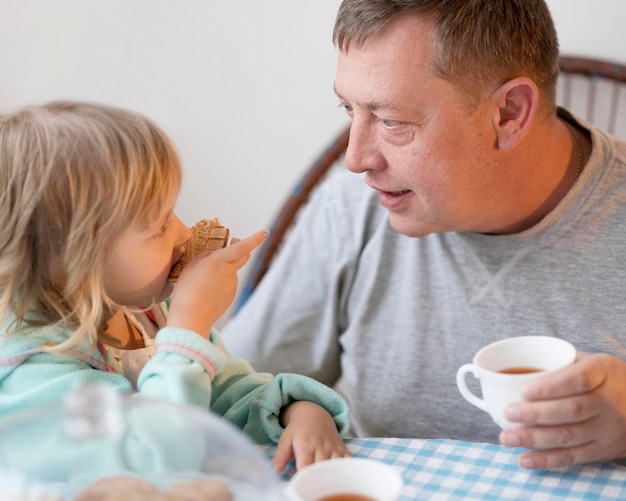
x=18 y=343
x=15 y=342
x=30 y=332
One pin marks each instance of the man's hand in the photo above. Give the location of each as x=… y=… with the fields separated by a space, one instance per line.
x=573 y=416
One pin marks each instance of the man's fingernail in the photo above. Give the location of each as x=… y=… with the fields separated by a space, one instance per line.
x=266 y=233
x=527 y=463
x=510 y=440
x=529 y=391
x=512 y=413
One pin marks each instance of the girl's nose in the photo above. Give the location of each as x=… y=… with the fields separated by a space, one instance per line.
x=183 y=232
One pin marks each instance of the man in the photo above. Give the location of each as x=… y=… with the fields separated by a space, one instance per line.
x=484 y=214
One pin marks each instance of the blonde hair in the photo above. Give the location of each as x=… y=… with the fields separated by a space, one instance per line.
x=479 y=44
x=73 y=177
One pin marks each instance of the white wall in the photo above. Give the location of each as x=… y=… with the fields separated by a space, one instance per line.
x=244 y=87
x=591 y=27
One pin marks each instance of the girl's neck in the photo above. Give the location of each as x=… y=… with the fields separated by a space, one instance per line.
x=121 y=333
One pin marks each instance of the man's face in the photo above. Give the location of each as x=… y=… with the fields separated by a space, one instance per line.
x=431 y=160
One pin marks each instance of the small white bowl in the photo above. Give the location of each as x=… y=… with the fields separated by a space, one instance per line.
x=363 y=476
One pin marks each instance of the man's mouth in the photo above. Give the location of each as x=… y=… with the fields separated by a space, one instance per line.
x=396 y=193
x=394 y=200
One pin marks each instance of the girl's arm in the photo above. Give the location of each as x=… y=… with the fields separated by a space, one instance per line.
x=306 y=418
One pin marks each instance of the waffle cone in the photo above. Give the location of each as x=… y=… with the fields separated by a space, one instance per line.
x=206 y=234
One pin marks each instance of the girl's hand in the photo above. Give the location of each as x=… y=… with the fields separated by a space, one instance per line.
x=310 y=435
x=208 y=284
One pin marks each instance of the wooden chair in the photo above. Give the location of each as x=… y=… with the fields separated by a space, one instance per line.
x=593 y=89
x=288 y=212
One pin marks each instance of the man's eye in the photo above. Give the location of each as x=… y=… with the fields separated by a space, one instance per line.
x=390 y=124
x=347 y=108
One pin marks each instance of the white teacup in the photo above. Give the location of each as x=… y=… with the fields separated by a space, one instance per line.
x=541 y=354
x=360 y=476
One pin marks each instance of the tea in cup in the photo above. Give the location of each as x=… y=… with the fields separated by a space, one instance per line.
x=346 y=479
x=505 y=366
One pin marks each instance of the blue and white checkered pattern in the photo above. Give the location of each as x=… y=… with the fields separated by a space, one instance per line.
x=453 y=470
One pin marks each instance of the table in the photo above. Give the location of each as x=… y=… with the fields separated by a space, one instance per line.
x=454 y=470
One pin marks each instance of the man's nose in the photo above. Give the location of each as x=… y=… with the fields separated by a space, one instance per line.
x=361 y=151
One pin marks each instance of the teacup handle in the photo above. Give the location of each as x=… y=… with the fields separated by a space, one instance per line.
x=465 y=391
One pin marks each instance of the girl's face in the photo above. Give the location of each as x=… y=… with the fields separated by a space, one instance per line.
x=141 y=260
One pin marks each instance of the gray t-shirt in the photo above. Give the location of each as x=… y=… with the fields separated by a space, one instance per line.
x=396 y=316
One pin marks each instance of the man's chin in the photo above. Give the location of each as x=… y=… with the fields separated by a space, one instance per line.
x=408 y=227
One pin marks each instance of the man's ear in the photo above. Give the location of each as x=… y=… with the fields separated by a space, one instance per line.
x=515 y=104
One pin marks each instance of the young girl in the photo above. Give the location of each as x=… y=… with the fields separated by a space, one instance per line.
x=89 y=235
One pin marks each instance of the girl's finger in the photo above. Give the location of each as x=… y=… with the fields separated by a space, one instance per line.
x=240 y=248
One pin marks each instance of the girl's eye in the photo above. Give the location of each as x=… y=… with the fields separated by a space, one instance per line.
x=163 y=228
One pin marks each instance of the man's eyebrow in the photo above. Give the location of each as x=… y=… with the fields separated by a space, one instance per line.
x=371 y=105
x=336 y=91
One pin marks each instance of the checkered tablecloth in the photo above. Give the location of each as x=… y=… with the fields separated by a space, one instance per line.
x=453 y=470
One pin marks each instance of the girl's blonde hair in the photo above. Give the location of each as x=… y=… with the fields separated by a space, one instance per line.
x=73 y=177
